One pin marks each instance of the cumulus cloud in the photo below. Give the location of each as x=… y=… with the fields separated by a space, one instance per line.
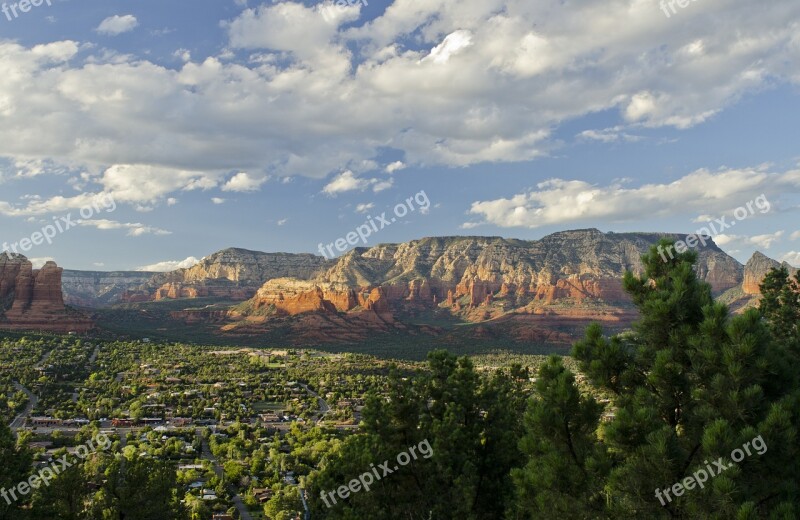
x=795 y=235
x=242 y=181
x=445 y=82
x=395 y=166
x=40 y=261
x=347 y=181
x=763 y=242
x=169 y=265
x=609 y=135
x=217 y=200
x=792 y=258
x=134 y=229
x=561 y=202
x=114 y=25
x=363 y=208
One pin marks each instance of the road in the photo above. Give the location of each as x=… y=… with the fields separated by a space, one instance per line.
x=244 y=514
x=19 y=420
x=323 y=405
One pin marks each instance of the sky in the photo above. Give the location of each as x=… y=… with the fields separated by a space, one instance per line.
x=149 y=134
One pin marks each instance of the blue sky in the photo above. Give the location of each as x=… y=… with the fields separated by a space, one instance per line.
x=271 y=126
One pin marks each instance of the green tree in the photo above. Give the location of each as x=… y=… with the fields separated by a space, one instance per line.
x=690 y=384
x=15 y=467
x=139 y=488
x=780 y=306
x=65 y=498
x=470 y=423
x=566 y=466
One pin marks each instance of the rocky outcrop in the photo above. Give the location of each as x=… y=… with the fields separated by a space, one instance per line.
x=468 y=272
x=32 y=298
x=100 y=289
x=564 y=279
x=757 y=268
x=234 y=274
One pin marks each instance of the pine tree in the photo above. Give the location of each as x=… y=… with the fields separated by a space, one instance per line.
x=690 y=384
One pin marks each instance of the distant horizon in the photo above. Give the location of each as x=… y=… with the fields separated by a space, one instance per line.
x=370 y=246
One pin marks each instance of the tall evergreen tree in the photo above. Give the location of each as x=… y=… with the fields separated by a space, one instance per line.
x=15 y=467
x=563 y=477
x=690 y=385
x=470 y=423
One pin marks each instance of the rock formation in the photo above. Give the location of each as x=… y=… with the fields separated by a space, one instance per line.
x=757 y=268
x=100 y=289
x=32 y=298
x=234 y=274
x=563 y=280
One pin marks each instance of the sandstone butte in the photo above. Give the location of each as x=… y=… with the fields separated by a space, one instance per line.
x=532 y=290
x=529 y=290
x=32 y=299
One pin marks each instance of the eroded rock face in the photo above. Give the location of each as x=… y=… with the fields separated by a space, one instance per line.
x=757 y=268
x=494 y=274
x=99 y=289
x=32 y=298
x=234 y=274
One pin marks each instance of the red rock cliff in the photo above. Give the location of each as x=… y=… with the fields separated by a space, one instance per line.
x=31 y=299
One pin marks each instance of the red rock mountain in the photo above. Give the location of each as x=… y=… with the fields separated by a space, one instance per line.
x=31 y=299
x=234 y=273
x=534 y=290
x=540 y=291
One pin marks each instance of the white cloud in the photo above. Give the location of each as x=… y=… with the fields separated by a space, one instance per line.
x=765 y=241
x=445 y=82
x=395 y=166
x=39 y=262
x=762 y=242
x=283 y=221
x=562 y=202
x=453 y=43
x=795 y=235
x=114 y=25
x=242 y=181
x=380 y=185
x=609 y=135
x=134 y=229
x=724 y=239
x=792 y=258
x=169 y=265
x=363 y=208
x=346 y=181
x=217 y=200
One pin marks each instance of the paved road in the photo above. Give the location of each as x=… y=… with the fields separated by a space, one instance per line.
x=244 y=514
x=323 y=405
x=19 y=420
x=93 y=357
